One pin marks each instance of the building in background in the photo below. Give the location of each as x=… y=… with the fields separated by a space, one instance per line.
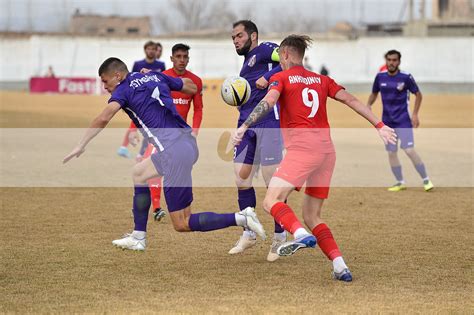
x=448 y=18
x=98 y=25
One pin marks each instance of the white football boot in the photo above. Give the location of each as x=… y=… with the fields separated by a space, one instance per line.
x=253 y=223
x=245 y=241
x=130 y=242
x=272 y=254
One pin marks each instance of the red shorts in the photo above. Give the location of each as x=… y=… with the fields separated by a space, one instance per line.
x=314 y=169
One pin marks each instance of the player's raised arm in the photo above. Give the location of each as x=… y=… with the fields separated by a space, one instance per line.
x=189 y=87
x=386 y=133
x=263 y=108
x=96 y=126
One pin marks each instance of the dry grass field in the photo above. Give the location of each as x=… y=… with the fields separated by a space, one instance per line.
x=410 y=252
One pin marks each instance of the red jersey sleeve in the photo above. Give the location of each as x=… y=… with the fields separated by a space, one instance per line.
x=333 y=87
x=197 y=106
x=276 y=82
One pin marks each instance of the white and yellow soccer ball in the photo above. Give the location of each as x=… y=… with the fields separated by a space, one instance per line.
x=235 y=91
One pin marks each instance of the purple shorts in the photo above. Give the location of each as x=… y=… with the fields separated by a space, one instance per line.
x=175 y=164
x=262 y=145
x=405 y=136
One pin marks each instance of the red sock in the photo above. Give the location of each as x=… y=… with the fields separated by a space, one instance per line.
x=155 y=192
x=326 y=241
x=125 y=139
x=285 y=217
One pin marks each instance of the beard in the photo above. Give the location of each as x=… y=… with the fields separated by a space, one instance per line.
x=245 y=49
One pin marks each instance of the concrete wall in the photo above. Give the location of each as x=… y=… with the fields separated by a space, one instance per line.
x=430 y=60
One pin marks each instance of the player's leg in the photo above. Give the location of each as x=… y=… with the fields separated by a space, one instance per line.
x=274 y=203
x=155 y=189
x=407 y=143
x=244 y=170
x=123 y=150
x=395 y=166
x=270 y=147
x=142 y=172
x=317 y=190
x=177 y=187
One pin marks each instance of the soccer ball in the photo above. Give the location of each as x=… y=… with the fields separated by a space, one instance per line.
x=235 y=91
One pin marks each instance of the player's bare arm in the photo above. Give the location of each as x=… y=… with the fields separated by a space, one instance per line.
x=189 y=87
x=263 y=108
x=414 y=118
x=96 y=126
x=385 y=132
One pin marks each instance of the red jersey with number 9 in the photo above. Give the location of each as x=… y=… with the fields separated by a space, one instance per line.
x=303 y=115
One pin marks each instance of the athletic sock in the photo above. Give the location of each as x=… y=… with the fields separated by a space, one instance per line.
x=420 y=168
x=326 y=241
x=141 y=206
x=280 y=236
x=139 y=235
x=247 y=198
x=210 y=221
x=155 y=192
x=338 y=264
x=397 y=172
x=300 y=232
x=283 y=214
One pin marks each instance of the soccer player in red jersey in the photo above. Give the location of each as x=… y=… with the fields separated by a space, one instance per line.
x=310 y=156
x=180 y=59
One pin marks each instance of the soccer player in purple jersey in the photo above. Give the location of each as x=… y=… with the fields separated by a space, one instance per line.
x=146 y=98
x=395 y=87
x=262 y=145
x=152 y=53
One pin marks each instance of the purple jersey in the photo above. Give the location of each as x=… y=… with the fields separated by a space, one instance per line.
x=157 y=66
x=147 y=101
x=258 y=62
x=395 y=91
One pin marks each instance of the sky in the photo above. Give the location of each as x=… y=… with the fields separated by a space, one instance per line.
x=54 y=15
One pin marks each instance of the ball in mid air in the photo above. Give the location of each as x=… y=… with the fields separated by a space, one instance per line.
x=235 y=91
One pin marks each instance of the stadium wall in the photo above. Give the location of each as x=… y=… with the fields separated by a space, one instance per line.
x=430 y=60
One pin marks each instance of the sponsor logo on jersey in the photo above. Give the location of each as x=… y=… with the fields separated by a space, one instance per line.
x=383 y=84
x=400 y=86
x=181 y=101
x=300 y=79
x=252 y=61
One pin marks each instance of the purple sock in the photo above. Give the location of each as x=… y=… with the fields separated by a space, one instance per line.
x=141 y=206
x=247 y=198
x=397 y=171
x=420 y=168
x=210 y=221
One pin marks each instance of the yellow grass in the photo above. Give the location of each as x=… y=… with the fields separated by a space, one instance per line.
x=409 y=252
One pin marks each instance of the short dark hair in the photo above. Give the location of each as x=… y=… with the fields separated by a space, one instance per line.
x=393 y=52
x=158 y=44
x=112 y=64
x=298 y=43
x=249 y=26
x=149 y=43
x=180 y=46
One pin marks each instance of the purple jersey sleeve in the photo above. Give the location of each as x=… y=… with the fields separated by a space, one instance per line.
x=118 y=96
x=269 y=74
x=175 y=84
x=411 y=84
x=376 y=85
